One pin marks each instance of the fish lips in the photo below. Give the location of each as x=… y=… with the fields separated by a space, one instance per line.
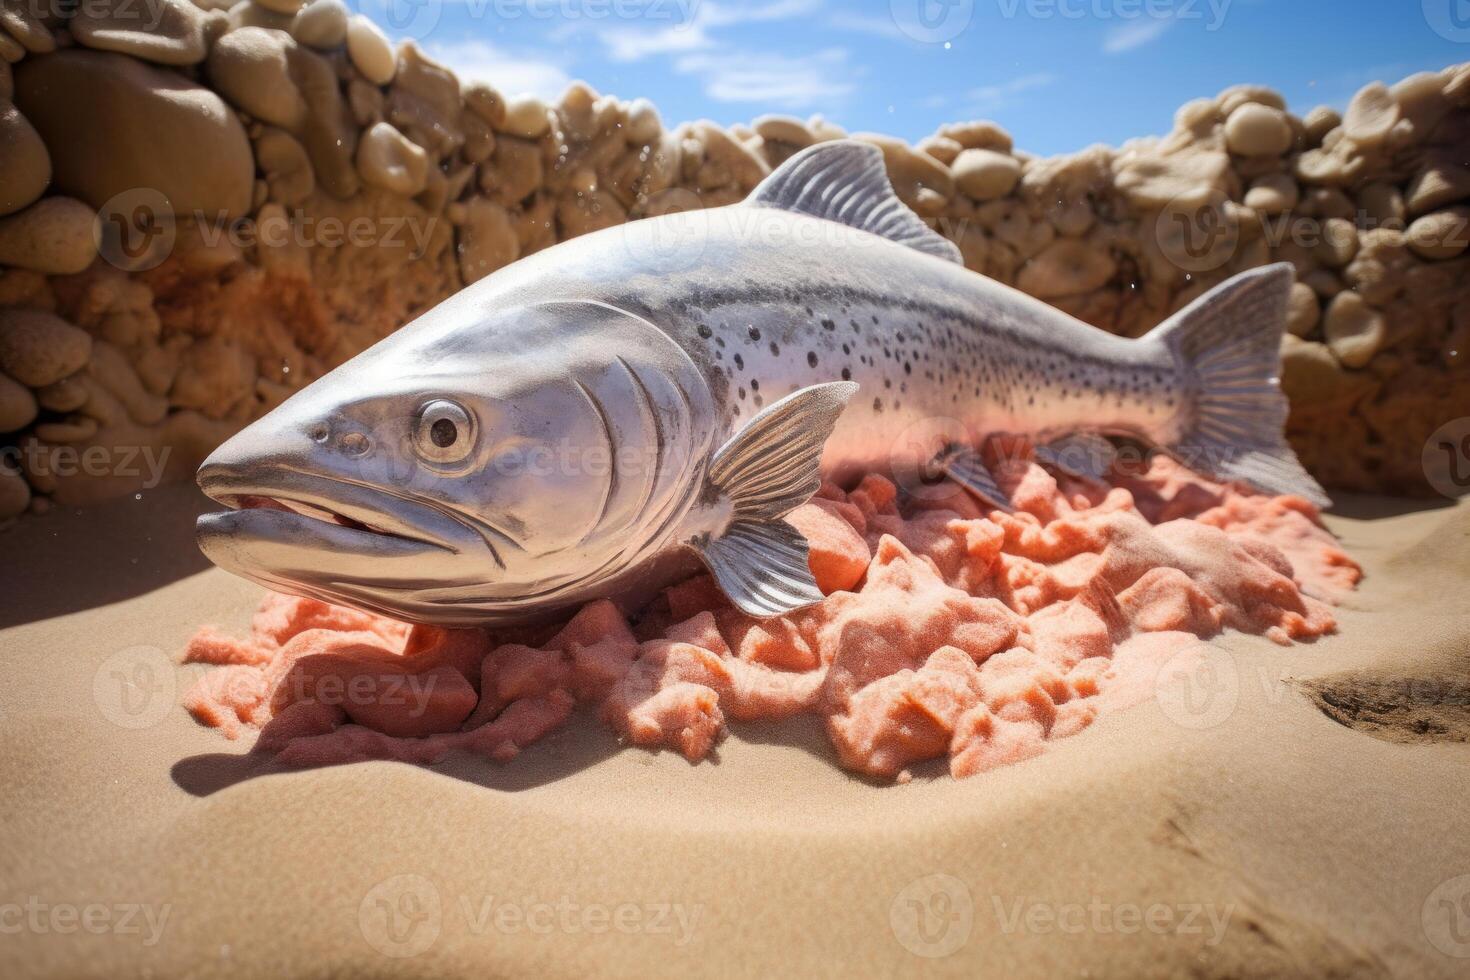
x=289 y=528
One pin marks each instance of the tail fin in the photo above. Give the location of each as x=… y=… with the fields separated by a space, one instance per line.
x=1227 y=345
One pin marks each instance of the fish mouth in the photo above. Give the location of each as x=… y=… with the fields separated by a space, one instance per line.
x=328 y=536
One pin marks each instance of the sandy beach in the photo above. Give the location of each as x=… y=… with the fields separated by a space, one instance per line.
x=1298 y=811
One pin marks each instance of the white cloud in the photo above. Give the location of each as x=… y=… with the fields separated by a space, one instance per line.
x=1135 y=34
x=877 y=26
x=513 y=74
x=993 y=98
x=770 y=79
x=635 y=43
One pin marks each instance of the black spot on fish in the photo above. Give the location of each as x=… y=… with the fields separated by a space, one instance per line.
x=847 y=374
x=741 y=392
x=877 y=404
x=828 y=325
x=755 y=333
x=705 y=332
x=775 y=349
x=740 y=362
x=811 y=358
x=720 y=341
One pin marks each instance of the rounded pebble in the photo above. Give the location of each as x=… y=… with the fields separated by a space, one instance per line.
x=56 y=236
x=23 y=160
x=321 y=24
x=1441 y=235
x=1256 y=130
x=15 y=494
x=1371 y=115
x=1354 y=330
x=388 y=159
x=526 y=116
x=370 y=51
x=38 y=348
x=985 y=174
x=17 y=405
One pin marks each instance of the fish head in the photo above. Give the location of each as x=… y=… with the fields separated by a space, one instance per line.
x=471 y=468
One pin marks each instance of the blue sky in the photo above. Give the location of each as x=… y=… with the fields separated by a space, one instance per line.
x=1058 y=74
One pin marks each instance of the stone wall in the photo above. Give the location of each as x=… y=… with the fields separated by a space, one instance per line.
x=201 y=215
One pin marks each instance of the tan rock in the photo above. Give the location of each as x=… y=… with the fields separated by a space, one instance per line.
x=579 y=214
x=1381 y=204
x=527 y=117
x=388 y=159
x=169 y=32
x=1311 y=375
x=113 y=124
x=25 y=23
x=366 y=102
x=7 y=82
x=479 y=137
x=1354 y=330
x=1064 y=268
x=1303 y=310
x=54 y=236
x=1339 y=243
x=215 y=375
x=1258 y=130
x=644 y=125
x=1273 y=195
x=941 y=148
x=15 y=494
x=1440 y=235
x=251 y=68
x=321 y=24
x=38 y=348
x=1318 y=123
x=487 y=239
x=66 y=395
x=1339 y=166
x=370 y=51
x=909 y=171
x=1152 y=183
x=485 y=102
x=726 y=163
x=1371 y=115
x=286 y=166
x=282 y=6
x=1443 y=181
x=514 y=172
x=24 y=162
x=248 y=13
x=10 y=49
x=978 y=135
x=1238 y=95
x=17 y=406
x=823 y=129
x=782 y=129
x=424 y=103
x=986 y=174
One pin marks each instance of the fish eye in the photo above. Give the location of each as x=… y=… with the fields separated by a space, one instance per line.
x=444 y=432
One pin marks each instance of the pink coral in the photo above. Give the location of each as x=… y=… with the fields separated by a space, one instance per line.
x=949 y=630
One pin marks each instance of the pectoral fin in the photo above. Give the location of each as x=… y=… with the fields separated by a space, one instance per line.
x=766 y=470
x=1085 y=455
x=965 y=467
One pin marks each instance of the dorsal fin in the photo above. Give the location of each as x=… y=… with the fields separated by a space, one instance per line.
x=844 y=181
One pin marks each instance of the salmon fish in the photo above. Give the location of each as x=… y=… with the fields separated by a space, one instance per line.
x=595 y=419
